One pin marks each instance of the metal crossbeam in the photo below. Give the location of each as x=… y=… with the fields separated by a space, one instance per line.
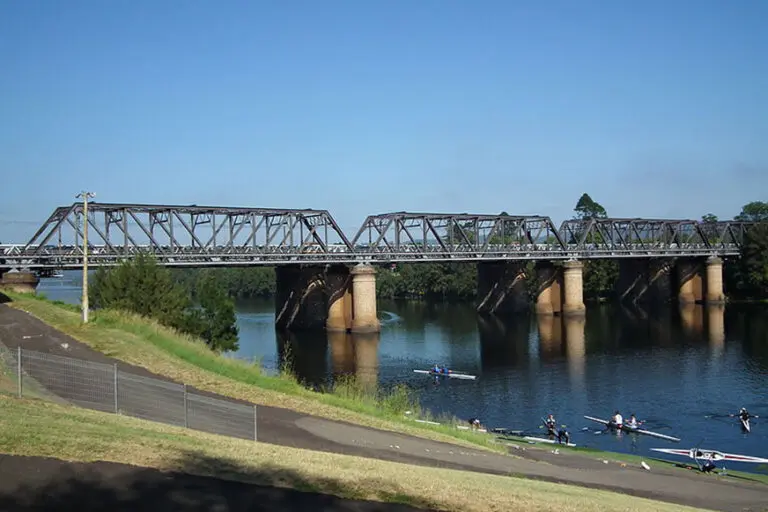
x=219 y=236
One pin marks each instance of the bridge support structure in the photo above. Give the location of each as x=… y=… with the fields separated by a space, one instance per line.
x=700 y=282
x=316 y=297
x=645 y=281
x=501 y=287
x=573 y=279
x=549 y=293
x=19 y=282
x=560 y=289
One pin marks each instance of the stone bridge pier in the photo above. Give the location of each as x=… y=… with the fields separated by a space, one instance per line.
x=19 y=282
x=700 y=281
x=560 y=289
x=332 y=297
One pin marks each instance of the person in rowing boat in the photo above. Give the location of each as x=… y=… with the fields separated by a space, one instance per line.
x=474 y=423
x=551 y=425
x=617 y=420
x=436 y=368
x=632 y=422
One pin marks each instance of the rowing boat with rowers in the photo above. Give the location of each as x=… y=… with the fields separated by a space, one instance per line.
x=451 y=374
x=698 y=453
x=636 y=430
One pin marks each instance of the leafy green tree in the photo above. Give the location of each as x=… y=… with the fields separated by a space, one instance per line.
x=748 y=278
x=214 y=320
x=588 y=208
x=140 y=286
x=143 y=287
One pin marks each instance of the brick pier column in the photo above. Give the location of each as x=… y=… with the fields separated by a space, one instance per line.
x=549 y=293
x=573 y=279
x=364 y=316
x=714 y=284
x=339 y=284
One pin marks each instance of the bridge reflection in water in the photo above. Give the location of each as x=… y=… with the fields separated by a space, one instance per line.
x=519 y=341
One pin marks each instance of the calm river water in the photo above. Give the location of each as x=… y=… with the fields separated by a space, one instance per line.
x=673 y=368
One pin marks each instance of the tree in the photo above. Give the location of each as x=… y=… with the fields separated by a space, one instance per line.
x=756 y=211
x=749 y=277
x=709 y=228
x=214 y=320
x=587 y=208
x=143 y=287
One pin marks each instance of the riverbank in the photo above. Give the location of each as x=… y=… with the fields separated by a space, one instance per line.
x=144 y=343
x=39 y=429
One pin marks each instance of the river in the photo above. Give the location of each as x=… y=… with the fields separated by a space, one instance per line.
x=673 y=368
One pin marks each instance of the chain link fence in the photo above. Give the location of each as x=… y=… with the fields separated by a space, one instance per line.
x=104 y=387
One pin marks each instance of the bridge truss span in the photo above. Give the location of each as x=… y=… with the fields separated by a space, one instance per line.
x=406 y=236
x=186 y=235
x=616 y=237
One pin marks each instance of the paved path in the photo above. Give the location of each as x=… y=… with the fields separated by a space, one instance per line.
x=44 y=485
x=289 y=428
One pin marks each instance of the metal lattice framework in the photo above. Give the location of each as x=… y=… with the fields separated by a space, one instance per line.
x=184 y=235
x=408 y=236
x=634 y=237
x=219 y=236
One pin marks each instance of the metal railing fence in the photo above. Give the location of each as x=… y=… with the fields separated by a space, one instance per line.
x=104 y=387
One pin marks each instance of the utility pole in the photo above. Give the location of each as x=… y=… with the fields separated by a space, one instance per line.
x=85 y=195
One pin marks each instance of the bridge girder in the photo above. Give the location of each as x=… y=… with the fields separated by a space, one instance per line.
x=219 y=236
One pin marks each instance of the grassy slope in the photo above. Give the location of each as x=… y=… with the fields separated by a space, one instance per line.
x=37 y=428
x=142 y=342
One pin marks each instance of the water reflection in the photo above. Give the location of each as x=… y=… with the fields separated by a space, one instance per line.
x=575 y=350
x=503 y=342
x=716 y=328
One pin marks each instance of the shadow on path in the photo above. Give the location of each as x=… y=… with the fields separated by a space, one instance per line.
x=44 y=484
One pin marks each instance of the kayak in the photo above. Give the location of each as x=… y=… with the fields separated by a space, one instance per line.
x=452 y=375
x=696 y=453
x=635 y=430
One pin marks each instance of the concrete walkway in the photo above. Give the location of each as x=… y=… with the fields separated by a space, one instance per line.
x=289 y=428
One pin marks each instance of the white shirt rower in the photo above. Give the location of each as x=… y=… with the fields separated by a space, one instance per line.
x=617 y=419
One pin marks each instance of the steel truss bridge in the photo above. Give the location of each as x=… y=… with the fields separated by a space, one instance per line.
x=219 y=236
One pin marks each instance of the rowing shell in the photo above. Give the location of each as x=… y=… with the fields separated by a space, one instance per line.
x=627 y=428
x=533 y=439
x=451 y=375
x=745 y=424
x=712 y=455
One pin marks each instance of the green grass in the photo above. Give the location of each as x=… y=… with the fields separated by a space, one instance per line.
x=143 y=342
x=37 y=428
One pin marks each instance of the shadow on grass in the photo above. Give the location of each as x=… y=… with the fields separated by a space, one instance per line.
x=44 y=484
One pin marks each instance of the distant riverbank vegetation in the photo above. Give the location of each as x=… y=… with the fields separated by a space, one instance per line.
x=745 y=278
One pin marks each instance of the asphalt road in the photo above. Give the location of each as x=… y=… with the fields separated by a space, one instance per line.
x=289 y=428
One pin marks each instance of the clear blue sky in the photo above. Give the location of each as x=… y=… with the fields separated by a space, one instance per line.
x=656 y=108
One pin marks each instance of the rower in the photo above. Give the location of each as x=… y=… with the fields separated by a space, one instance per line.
x=474 y=423
x=551 y=424
x=436 y=368
x=617 y=420
x=563 y=436
x=744 y=414
x=446 y=371
x=632 y=422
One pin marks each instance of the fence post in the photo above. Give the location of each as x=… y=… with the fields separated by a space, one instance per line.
x=18 y=369
x=116 y=403
x=255 y=427
x=186 y=414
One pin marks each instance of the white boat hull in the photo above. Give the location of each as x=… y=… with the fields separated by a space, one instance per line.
x=451 y=375
x=715 y=455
